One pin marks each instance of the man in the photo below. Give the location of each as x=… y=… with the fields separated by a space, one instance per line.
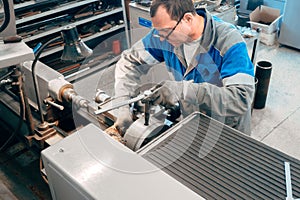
x=207 y=57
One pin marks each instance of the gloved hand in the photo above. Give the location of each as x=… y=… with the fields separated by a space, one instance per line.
x=168 y=93
x=172 y=92
x=124 y=120
x=188 y=108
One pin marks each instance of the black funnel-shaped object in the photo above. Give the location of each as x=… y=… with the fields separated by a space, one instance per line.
x=74 y=49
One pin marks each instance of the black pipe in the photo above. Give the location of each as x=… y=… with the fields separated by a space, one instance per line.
x=255 y=46
x=263 y=75
x=255 y=86
x=6 y=15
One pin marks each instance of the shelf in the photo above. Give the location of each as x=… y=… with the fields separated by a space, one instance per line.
x=25 y=4
x=96 y=35
x=86 y=71
x=62 y=8
x=43 y=20
x=84 y=21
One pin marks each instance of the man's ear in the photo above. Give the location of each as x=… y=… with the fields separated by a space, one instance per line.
x=188 y=17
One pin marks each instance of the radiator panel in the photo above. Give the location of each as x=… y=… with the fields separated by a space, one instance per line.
x=235 y=167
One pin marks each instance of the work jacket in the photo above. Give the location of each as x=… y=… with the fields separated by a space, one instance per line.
x=219 y=82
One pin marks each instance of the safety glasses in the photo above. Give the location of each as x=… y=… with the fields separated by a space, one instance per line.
x=172 y=30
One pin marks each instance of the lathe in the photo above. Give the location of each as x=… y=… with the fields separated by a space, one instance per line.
x=163 y=156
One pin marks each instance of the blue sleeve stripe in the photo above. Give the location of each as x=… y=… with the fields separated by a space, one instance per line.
x=236 y=60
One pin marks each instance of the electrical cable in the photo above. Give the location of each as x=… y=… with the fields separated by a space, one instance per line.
x=6 y=17
x=20 y=123
x=35 y=81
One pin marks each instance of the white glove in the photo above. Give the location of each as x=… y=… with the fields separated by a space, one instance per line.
x=124 y=120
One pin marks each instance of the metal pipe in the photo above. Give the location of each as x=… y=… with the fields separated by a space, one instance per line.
x=147 y=113
x=28 y=115
x=255 y=46
x=263 y=74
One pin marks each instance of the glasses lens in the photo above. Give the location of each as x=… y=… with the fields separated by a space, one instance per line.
x=159 y=36
x=156 y=35
x=171 y=31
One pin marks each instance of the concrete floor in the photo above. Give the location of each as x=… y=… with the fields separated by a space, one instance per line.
x=278 y=124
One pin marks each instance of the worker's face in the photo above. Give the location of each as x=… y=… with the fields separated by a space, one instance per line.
x=173 y=31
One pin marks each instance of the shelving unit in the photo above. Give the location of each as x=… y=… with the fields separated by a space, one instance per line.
x=94 y=36
x=96 y=22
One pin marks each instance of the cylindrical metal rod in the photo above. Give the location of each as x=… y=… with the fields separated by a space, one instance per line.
x=147 y=113
x=255 y=46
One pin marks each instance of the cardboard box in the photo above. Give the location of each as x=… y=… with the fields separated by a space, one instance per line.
x=265 y=18
x=268 y=38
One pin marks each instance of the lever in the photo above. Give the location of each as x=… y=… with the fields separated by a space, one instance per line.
x=53 y=104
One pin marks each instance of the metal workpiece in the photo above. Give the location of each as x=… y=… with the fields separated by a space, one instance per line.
x=148 y=127
x=80 y=101
x=149 y=120
x=70 y=95
x=101 y=96
x=67 y=94
x=57 y=87
x=144 y=96
x=138 y=134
